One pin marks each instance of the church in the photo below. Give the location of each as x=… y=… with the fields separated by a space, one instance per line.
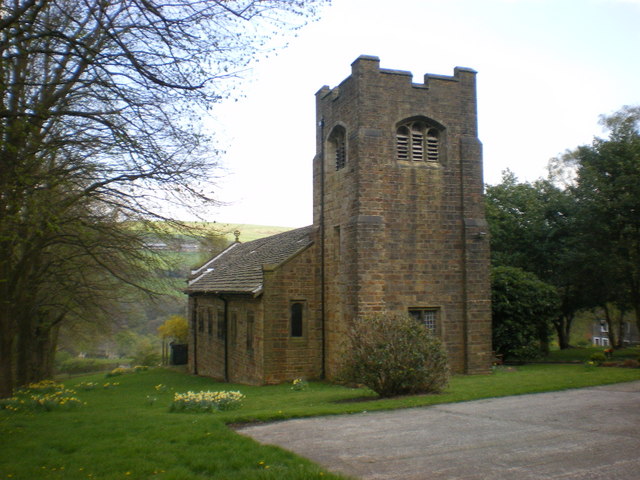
x=398 y=226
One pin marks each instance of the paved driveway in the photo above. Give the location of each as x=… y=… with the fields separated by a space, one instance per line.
x=591 y=433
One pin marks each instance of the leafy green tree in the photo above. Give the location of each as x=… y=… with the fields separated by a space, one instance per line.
x=395 y=355
x=522 y=310
x=608 y=191
x=534 y=227
x=100 y=115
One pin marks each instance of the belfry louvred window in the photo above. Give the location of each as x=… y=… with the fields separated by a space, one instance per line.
x=337 y=147
x=417 y=142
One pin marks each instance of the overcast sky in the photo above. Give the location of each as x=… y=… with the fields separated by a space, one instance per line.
x=546 y=70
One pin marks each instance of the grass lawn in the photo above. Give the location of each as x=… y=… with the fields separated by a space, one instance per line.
x=127 y=431
x=583 y=354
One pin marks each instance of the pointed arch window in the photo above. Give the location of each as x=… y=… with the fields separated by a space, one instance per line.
x=337 y=147
x=416 y=141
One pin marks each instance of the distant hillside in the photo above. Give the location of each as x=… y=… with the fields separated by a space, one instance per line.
x=206 y=239
x=247 y=232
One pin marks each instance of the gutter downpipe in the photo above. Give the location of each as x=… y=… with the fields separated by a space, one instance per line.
x=226 y=338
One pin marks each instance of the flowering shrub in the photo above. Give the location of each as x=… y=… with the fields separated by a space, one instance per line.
x=43 y=386
x=299 y=384
x=395 y=355
x=87 y=385
x=119 y=371
x=126 y=370
x=42 y=396
x=206 y=401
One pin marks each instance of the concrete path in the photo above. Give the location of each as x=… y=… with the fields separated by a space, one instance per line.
x=591 y=433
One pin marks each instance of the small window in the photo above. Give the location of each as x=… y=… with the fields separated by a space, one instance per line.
x=250 y=322
x=296 y=319
x=194 y=319
x=201 y=314
x=426 y=316
x=233 y=326
x=210 y=321
x=221 y=324
x=337 y=243
x=337 y=147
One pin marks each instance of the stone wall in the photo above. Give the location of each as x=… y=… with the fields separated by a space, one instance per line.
x=230 y=339
x=287 y=357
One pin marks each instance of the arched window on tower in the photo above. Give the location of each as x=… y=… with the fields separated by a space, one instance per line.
x=416 y=141
x=337 y=147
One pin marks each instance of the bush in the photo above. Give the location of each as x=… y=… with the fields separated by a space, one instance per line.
x=395 y=355
x=522 y=307
x=147 y=354
x=630 y=363
x=73 y=365
x=598 y=358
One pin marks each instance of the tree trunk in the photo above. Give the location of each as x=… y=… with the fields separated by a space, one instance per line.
x=46 y=353
x=637 y=309
x=25 y=349
x=563 y=329
x=36 y=351
x=543 y=337
x=611 y=327
x=6 y=366
x=6 y=355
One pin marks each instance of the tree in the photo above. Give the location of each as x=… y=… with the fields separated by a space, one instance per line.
x=99 y=123
x=395 y=355
x=608 y=191
x=533 y=227
x=522 y=310
x=174 y=329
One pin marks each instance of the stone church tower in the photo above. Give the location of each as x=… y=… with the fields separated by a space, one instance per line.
x=399 y=211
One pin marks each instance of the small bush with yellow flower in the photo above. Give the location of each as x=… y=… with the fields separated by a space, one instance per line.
x=206 y=401
x=299 y=384
x=43 y=396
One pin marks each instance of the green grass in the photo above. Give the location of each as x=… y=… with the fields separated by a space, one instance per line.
x=583 y=354
x=128 y=432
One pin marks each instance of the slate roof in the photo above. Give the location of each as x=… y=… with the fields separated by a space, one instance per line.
x=238 y=269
